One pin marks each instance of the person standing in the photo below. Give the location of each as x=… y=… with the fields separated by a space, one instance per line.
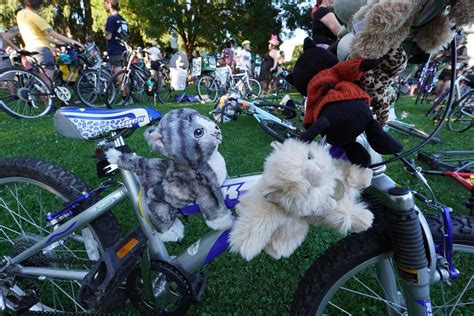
x=269 y=64
x=116 y=31
x=37 y=34
x=244 y=59
x=325 y=26
x=229 y=55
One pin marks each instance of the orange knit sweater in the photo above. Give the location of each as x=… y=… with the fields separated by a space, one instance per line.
x=333 y=85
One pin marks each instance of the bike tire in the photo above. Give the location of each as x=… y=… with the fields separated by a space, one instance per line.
x=207 y=86
x=331 y=271
x=278 y=131
x=457 y=120
x=91 y=88
x=166 y=94
x=40 y=181
x=411 y=131
x=253 y=90
x=437 y=104
x=33 y=97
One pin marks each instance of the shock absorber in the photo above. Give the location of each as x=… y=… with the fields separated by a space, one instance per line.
x=409 y=251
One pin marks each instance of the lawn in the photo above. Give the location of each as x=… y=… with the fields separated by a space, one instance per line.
x=264 y=285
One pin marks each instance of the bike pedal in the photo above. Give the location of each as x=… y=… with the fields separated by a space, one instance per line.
x=99 y=288
x=23 y=303
x=198 y=284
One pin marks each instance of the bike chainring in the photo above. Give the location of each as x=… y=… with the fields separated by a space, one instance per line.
x=62 y=93
x=172 y=291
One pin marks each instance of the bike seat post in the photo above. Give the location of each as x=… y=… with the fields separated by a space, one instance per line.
x=409 y=251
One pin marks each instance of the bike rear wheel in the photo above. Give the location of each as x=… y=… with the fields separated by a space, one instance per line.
x=344 y=279
x=29 y=189
x=252 y=90
x=24 y=94
x=91 y=88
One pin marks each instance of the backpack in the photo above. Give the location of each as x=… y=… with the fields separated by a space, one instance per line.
x=122 y=30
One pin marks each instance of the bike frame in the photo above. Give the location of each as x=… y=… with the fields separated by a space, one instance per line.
x=261 y=115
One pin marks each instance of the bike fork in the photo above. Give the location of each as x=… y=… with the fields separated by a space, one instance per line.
x=409 y=252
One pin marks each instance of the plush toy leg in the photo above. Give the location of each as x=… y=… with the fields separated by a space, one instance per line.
x=287 y=238
x=359 y=178
x=381 y=141
x=254 y=228
x=163 y=218
x=357 y=154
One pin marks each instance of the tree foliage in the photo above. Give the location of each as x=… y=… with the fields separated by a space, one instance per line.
x=199 y=24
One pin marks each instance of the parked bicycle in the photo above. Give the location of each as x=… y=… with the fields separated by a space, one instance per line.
x=461 y=119
x=211 y=87
x=25 y=94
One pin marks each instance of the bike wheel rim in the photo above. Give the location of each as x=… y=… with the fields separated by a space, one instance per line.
x=58 y=295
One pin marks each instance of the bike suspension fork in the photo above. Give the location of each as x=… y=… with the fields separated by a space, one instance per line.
x=409 y=251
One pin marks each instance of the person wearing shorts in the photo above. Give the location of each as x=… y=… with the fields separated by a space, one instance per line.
x=6 y=42
x=38 y=34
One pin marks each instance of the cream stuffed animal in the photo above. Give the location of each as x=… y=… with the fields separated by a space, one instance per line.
x=301 y=185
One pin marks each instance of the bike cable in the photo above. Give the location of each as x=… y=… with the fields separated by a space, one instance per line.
x=442 y=120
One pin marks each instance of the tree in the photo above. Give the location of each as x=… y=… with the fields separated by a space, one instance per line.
x=206 y=24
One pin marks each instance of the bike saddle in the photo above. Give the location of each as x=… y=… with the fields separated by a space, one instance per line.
x=89 y=123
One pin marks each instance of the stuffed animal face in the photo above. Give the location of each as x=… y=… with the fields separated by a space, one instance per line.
x=295 y=163
x=185 y=136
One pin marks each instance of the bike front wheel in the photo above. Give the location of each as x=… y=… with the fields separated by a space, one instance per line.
x=252 y=90
x=29 y=190
x=207 y=89
x=345 y=280
x=24 y=94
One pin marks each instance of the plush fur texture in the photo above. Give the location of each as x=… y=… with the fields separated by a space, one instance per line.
x=343 y=119
x=194 y=171
x=301 y=185
x=386 y=23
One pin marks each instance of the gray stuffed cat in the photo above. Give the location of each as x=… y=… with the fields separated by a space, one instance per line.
x=194 y=171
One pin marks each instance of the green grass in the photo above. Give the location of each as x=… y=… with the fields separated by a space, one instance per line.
x=264 y=285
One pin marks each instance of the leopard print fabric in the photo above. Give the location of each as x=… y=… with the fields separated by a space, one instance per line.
x=377 y=81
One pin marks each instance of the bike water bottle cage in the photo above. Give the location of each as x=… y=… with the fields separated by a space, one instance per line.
x=89 y=123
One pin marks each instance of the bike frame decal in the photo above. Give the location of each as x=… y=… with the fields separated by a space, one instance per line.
x=61 y=233
x=427 y=306
x=221 y=245
x=232 y=194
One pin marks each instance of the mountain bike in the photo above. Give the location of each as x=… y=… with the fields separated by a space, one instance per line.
x=223 y=81
x=60 y=238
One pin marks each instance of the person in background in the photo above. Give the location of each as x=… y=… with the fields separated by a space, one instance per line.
x=116 y=31
x=154 y=53
x=37 y=34
x=269 y=64
x=179 y=60
x=325 y=26
x=229 y=55
x=244 y=59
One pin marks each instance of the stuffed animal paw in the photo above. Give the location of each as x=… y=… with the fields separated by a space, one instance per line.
x=174 y=233
x=113 y=155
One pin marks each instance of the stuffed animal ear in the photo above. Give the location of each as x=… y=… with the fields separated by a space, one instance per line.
x=368 y=64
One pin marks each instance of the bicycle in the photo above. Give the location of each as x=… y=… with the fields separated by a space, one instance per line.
x=57 y=227
x=32 y=97
x=211 y=87
x=427 y=80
